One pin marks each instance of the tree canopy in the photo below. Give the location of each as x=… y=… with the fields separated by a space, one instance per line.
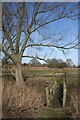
x=23 y=20
x=20 y=21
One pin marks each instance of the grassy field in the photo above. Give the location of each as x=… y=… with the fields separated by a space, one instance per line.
x=43 y=70
x=36 y=79
x=70 y=74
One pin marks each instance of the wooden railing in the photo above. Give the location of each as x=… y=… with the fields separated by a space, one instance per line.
x=64 y=94
x=51 y=91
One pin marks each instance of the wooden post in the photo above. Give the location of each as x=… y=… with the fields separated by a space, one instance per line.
x=53 y=90
x=51 y=94
x=55 y=86
x=64 y=95
x=50 y=91
x=65 y=76
x=47 y=96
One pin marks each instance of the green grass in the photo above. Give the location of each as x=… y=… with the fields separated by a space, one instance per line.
x=71 y=74
x=52 y=113
x=37 y=72
x=43 y=71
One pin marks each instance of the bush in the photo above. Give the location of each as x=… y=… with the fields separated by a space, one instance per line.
x=56 y=65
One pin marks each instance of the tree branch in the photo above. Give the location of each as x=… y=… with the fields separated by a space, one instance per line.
x=53 y=20
x=7 y=54
x=29 y=29
x=11 y=71
x=45 y=23
x=50 y=9
x=8 y=38
x=20 y=27
x=34 y=57
x=51 y=45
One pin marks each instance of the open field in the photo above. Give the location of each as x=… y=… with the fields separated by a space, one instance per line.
x=36 y=79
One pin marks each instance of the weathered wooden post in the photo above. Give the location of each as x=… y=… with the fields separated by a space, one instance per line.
x=64 y=94
x=47 y=96
x=55 y=84
x=50 y=92
x=54 y=87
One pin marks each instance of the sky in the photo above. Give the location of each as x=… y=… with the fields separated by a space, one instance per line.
x=41 y=0
x=66 y=27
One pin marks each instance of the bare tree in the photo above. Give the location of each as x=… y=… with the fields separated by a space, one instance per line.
x=21 y=20
x=69 y=62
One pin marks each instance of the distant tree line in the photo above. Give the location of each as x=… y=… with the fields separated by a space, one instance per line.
x=51 y=63
x=59 y=63
x=54 y=63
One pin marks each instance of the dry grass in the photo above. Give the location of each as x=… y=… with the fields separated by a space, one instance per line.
x=29 y=100
x=72 y=108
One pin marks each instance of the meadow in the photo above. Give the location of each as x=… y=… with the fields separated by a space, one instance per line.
x=34 y=105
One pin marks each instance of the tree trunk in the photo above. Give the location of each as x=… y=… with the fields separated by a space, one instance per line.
x=20 y=90
x=19 y=76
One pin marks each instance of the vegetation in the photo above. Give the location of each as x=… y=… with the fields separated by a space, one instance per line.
x=21 y=22
x=72 y=107
x=54 y=63
x=51 y=63
x=34 y=103
x=24 y=86
x=34 y=62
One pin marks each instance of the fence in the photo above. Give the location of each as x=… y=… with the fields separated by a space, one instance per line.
x=64 y=93
x=51 y=91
